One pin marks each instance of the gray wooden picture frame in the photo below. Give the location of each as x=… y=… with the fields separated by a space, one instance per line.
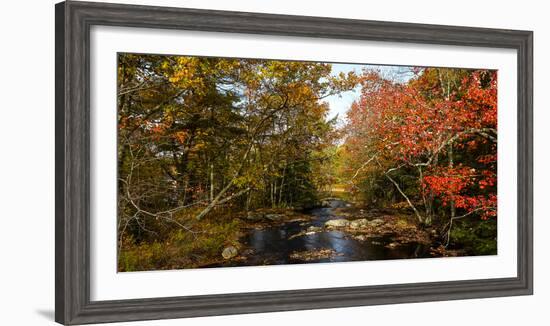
x=72 y=170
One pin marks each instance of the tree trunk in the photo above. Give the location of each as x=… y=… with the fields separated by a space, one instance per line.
x=281 y=187
x=211 y=181
x=451 y=163
x=214 y=201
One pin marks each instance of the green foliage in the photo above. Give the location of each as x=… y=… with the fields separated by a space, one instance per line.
x=477 y=237
x=180 y=249
x=301 y=190
x=142 y=257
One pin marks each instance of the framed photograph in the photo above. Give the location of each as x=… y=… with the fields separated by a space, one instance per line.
x=216 y=162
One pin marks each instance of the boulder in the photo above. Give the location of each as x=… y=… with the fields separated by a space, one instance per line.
x=392 y=245
x=314 y=229
x=357 y=224
x=229 y=252
x=376 y=222
x=274 y=217
x=337 y=223
x=254 y=216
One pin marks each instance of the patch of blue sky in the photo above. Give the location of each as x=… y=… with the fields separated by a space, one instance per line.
x=341 y=103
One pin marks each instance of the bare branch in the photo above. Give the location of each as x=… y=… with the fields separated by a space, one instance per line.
x=386 y=173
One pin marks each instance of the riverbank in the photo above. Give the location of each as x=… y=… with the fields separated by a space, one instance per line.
x=338 y=232
x=334 y=231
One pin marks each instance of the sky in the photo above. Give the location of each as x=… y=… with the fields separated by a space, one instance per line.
x=340 y=104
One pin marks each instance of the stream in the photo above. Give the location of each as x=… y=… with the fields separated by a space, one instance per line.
x=276 y=245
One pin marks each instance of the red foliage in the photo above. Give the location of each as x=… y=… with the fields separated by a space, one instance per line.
x=413 y=124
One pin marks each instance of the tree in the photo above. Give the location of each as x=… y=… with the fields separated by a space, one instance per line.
x=439 y=129
x=198 y=133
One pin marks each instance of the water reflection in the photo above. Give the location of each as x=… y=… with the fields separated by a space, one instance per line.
x=275 y=245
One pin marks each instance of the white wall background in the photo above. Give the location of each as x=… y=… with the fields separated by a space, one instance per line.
x=27 y=161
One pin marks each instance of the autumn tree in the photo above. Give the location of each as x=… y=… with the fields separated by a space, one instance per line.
x=199 y=133
x=432 y=139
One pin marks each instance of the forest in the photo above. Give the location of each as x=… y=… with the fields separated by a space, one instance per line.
x=238 y=162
